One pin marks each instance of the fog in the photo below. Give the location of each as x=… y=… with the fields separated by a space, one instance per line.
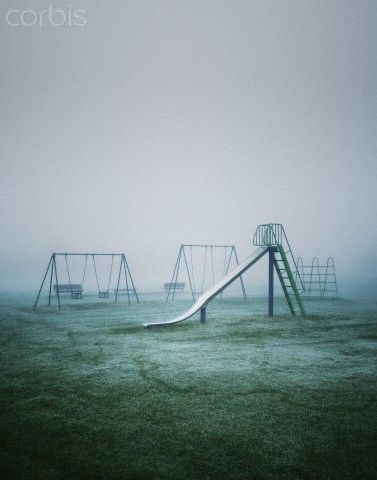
x=159 y=123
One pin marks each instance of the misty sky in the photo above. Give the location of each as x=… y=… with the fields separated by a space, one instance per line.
x=167 y=122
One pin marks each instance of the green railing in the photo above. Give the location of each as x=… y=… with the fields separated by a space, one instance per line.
x=269 y=234
x=273 y=235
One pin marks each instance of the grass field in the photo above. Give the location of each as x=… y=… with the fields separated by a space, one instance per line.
x=86 y=392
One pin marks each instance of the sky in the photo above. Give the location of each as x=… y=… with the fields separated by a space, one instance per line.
x=158 y=123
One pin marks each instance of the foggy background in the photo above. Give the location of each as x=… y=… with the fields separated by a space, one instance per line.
x=167 y=122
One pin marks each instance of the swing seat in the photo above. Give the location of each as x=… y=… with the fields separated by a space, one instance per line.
x=103 y=294
x=76 y=294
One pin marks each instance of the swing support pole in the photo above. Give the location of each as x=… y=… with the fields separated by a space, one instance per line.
x=43 y=281
x=117 y=287
x=188 y=273
x=56 y=279
x=132 y=281
x=241 y=279
x=175 y=274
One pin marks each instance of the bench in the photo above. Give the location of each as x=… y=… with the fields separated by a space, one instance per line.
x=174 y=286
x=75 y=289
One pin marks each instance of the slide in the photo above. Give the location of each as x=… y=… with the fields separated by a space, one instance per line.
x=216 y=289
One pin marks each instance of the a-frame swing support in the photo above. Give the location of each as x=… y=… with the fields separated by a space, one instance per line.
x=127 y=274
x=52 y=268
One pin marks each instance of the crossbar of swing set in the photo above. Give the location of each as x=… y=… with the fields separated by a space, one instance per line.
x=208 y=246
x=89 y=254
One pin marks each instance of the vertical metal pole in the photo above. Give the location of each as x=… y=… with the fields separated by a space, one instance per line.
x=120 y=269
x=241 y=279
x=56 y=279
x=43 y=281
x=203 y=314
x=270 y=282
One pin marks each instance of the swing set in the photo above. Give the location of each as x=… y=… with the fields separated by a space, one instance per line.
x=103 y=282
x=204 y=271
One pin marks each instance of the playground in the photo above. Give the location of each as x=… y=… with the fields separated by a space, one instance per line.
x=280 y=386
x=87 y=392
x=269 y=238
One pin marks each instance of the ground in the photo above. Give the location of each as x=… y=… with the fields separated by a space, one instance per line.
x=86 y=392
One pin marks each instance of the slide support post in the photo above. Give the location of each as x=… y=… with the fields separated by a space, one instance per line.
x=271 y=282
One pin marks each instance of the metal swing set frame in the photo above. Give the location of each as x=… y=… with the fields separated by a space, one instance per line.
x=75 y=289
x=185 y=257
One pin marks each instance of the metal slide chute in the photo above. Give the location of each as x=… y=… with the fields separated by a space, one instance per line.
x=216 y=289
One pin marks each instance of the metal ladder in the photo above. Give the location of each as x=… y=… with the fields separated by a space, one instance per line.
x=287 y=281
x=274 y=236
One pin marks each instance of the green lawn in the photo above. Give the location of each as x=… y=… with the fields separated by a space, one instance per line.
x=88 y=393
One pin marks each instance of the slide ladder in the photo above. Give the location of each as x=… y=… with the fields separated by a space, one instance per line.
x=287 y=281
x=273 y=235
